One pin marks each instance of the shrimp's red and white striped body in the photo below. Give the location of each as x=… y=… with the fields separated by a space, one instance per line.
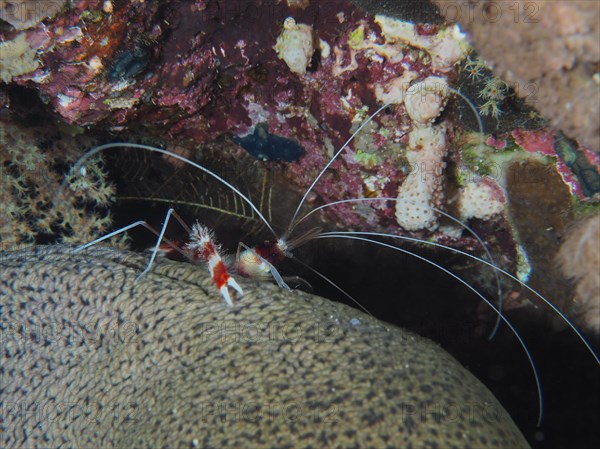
x=202 y=246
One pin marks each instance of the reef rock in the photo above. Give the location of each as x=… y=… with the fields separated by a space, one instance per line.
x=579 y=260
x=23 y=14
x=548 y=51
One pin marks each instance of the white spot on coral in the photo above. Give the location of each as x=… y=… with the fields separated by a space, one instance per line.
x=121 y=103
x=375 y=183
x=42 y=77
x=69 y=35
x=338 y=68
x=289 y=23
x=121 y=85
x=298 y=3
x=257 y=113
x=95 y=64
x=64 y=100
x=523 y=265
x=108 y=7
x=325 y=49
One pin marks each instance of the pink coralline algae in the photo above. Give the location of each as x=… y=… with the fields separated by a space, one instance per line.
x=541 y=142
x=544 y=142
x=498 y=144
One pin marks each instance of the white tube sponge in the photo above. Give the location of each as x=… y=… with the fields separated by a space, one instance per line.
x=422 y=187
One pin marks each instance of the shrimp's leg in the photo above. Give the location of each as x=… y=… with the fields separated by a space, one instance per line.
x=133 y=225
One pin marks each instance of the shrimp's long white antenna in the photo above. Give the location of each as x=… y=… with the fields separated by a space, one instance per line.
x=342 y=148
x=445 y=214
x=112 y=234
x=107 y=146
x=332 y=283
x=439 y=211
x=458 y=278
x=352 y=234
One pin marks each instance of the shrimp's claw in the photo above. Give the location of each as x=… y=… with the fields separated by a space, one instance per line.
x=223 y=280
x=231 y=282
x=226 y=296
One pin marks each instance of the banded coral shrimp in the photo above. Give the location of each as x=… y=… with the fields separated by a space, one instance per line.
x=357 y=236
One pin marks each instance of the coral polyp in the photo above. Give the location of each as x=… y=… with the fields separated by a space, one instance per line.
x=493 y=93
x=475 y=68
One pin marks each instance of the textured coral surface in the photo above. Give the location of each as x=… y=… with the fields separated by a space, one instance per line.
x=163 y=362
